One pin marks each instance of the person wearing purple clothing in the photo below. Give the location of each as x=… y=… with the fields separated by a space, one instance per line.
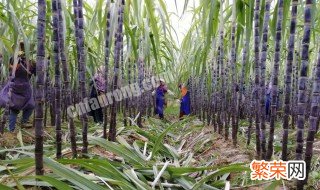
x=160 y=99
x=21 y=91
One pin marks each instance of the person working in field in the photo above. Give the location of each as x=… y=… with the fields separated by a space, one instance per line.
x=98 y=87
x=21 y=98
x=184 y=101
x=160 y=99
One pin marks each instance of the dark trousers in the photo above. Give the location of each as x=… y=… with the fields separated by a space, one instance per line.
x=13 y=117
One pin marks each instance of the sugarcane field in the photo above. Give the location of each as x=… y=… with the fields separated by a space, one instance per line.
x=160 y=94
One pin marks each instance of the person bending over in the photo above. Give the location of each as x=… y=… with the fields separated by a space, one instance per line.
x=21 y=90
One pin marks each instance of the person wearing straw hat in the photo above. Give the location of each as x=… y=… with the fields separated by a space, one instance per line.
x=160 y=99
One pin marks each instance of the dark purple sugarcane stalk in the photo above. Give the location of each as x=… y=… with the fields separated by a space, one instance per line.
x=222 y=86
x=206 y=99
x=46 y=91
x=257 y=75
x=57 y=80
x=106 y=60
x=263 y=58
x=125 y=102
x=294 y=101
x=295 y=85
x=52 y=107
x=66 y=82
x=198 y=95
x=39 y=93
x=79 y=33
x=219 y=101
x=190 y=88
x=135 y=80
x=313 y=118
x=233 y=62
x=244 y=60
x=250 y=110
x=129 y=103
x=275 y=78
x=303 y=80
x=227 y=99
x=195 y=91
x=213 y=101
x=288 y=79
x=150 y=102
x=318 y=123
x=117 y=51
x=141 y=105
x=201 y=96
x=148 y=94
x=211 y=98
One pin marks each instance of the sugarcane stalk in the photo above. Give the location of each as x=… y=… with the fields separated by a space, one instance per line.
x=117 y=52
x=275 y=78
x=263 y=58
x=233 y=77
x=303 y=79
x=107 y=55
x=57 y=81
x=79 y=33
x=288 y=79
x=39 y=93
x=257 y=75
x=66 y=81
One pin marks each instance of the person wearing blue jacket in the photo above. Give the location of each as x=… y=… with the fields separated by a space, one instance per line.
x=160 y=99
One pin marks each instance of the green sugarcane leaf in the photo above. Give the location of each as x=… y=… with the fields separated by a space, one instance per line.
x=134 y=178
x=159 y=140
x=274 y=185
x=185 y=182
x=105 y=165
x=60 y=185
x=120 y=150
x=220 y=171
x=4 y=187
x=69 y=175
